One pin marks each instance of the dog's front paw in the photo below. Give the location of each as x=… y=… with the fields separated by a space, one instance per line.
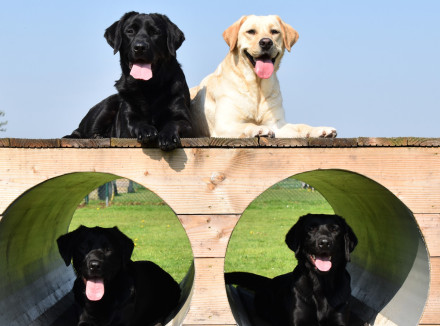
x=168 y=140
x=323 y=132
x=145 y=133
x=259 y=131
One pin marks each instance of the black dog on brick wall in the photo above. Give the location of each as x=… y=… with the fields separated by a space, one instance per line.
x=153 y=99
x=110 y=289
x=318 y=290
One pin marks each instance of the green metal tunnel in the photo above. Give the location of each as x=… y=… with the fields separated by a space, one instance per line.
x=390 y=266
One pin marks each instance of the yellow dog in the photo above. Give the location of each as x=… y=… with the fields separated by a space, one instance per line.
x=242 y=97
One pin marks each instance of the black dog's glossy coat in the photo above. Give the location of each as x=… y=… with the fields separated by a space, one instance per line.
x=136 y=293
x=154 y=110
x=307 y=296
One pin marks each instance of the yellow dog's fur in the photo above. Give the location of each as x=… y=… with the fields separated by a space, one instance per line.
x=234 y=101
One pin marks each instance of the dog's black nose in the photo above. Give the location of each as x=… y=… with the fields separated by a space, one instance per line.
x=266 y=43
x=94 y=265
x=324 y=244
x=139 y=47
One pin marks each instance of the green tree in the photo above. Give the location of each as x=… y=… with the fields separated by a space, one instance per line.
x=2 y=123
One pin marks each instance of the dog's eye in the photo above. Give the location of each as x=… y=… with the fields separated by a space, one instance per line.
x=312 y=228
x=334 y=228
x=251 y=32
x=274 y=32
x=130 y=31
x=153 y=31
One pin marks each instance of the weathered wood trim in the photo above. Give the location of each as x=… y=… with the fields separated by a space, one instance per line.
x=227 y=142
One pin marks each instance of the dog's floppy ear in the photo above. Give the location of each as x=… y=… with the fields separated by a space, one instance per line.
x=350 y=238
x=351 y=241
x=113 y=34
x=231 y=33
x=175 y=36
x=66 y=244
x=290 y=35
x=295 y=235
x=125 y=243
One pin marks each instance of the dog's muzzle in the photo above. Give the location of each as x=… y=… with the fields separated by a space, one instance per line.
x=263 y=65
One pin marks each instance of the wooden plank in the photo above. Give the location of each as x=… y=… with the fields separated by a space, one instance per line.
x=85 y=143
x=431 y=315
x=283 y=142
x=185 y=142
x=195 y=142
x=382 y=141
x=124 y=142
x=247 y=172
x=209 y=234
x=415 y=141
x=234 y=142
x=209 y=302
x=4 y=142
x=430 y=227
x=333 y=142
x=33 y=143
x=191 y=142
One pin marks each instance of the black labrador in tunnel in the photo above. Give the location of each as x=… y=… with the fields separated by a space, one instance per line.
x=111 y=289
x=318 y=290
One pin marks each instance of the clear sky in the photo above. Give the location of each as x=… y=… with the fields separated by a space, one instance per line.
x=369 y=68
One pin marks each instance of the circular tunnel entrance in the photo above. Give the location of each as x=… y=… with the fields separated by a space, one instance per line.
x=389 y=267
x=35 y=283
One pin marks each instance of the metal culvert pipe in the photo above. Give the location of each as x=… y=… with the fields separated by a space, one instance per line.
x=390 y=266
x=34 y=281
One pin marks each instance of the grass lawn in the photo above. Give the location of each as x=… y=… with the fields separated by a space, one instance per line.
x=152 y=225
x=257 y=244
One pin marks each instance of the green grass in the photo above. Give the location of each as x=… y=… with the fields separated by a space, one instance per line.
x=257 y=243
x=154 y=228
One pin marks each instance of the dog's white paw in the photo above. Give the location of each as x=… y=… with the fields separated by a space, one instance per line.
x=259 y=131
x=323 y=132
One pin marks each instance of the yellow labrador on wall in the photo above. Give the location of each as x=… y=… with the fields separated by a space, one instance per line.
x=242 y=97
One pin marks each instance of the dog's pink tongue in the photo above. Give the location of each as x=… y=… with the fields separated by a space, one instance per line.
x=263 y=68
x=324 y=264
x=141 y=71
x=95 y=289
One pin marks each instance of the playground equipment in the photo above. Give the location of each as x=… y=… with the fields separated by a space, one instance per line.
x=388 y=189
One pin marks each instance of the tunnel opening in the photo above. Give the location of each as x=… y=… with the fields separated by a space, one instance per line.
x=389 y=268
x=36 y=284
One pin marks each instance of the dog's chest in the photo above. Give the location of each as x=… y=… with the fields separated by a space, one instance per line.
x=265 y=106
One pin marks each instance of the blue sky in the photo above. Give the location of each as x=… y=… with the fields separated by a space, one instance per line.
x=368 y=68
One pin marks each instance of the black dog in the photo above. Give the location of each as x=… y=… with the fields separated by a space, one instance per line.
x=318 y=290
x=110 y=289
x=153 y=98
